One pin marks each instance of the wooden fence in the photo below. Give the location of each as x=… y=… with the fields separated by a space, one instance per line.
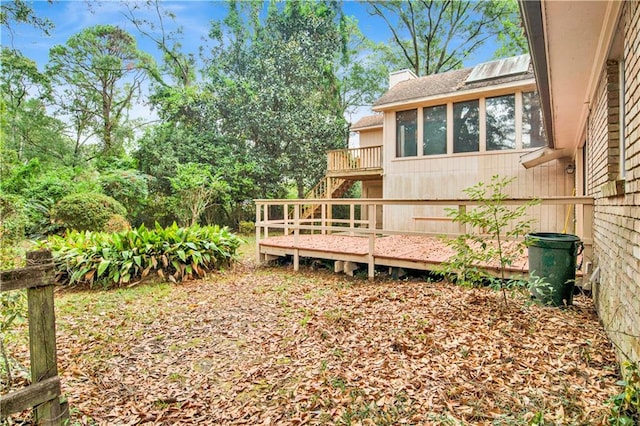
x=44 y=392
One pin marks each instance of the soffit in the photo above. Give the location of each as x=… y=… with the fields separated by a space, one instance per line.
x=577 y=43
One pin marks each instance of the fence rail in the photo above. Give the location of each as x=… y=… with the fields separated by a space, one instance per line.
x=44 y=392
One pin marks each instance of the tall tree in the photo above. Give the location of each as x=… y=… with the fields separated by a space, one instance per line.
x=21 y=12
x=276 y=87
x=177 y=68
x=433 y=36
x=362 y=77
x=25 y=91
x=100 y=71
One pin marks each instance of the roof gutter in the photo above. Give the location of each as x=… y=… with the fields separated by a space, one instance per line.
x=531 y=11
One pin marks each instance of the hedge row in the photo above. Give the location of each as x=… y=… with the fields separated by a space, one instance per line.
x=120 y=258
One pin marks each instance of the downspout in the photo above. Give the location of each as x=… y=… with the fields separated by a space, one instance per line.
x=531 y=11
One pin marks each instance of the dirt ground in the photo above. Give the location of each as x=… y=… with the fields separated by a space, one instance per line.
x=266 y=345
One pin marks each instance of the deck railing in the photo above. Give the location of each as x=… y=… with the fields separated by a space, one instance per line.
x=354 y=159
x=365 y=224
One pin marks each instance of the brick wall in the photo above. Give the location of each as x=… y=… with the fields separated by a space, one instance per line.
x=617 y=203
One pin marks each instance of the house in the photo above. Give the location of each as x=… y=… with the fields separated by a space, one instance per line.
x=564 y=122
x=586 y=59
x=442 y=133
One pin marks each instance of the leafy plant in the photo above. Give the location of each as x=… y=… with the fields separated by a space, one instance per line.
x=14 y=308
x=13 y=218
x=625 y=407
x=495 y=241
x=87 y=211
x=246 y=227
x=130 y=187
x=121 y=258
x=195 y=189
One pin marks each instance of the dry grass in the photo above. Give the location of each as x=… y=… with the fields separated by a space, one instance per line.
x=270 y=346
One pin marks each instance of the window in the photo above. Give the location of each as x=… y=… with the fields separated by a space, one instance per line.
x=435 y=130
x=406 y=138
x=532 y=128
x=501 y=123
x=466 y=129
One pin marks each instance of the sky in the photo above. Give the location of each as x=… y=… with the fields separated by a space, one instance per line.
x=70 y=16
x=194 y=16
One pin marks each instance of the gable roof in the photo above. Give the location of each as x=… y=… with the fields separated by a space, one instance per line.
x=443 y=84
x=368 y=122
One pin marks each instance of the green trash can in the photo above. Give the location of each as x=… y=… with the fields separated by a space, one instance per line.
x=552 y=266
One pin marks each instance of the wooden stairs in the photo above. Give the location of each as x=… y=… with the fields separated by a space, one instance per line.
x=336 y=186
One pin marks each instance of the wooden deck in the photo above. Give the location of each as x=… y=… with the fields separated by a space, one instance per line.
x=403 y=251
x=356 y=240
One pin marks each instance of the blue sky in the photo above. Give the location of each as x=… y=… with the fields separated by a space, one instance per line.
x=194 y=16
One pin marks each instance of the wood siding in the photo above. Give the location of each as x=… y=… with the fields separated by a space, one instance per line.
x=446 y=176
x=371 y=137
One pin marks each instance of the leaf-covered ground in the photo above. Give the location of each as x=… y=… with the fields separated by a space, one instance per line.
x=272 y=346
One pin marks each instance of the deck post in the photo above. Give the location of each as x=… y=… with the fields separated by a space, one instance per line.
x=296 y=259
x=329 y=209
x=352 y=216
x=258 y=232
x=296 y=223
x=371 y=266
x=323 y=218
x=266 y=220
x=285 y=218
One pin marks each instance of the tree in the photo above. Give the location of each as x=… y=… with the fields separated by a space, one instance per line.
x=18 y=11
x=195 y=189
x=179 y=67
x=101 y=71
x=275 y=86
x=434 y=36
x=362 y=78
x=25 y=93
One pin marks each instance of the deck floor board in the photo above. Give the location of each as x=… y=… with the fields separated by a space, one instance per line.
x=424 y=251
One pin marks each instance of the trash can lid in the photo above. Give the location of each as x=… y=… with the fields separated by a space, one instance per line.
x=553 y=236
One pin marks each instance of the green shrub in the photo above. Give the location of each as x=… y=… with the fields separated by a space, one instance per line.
x=500 y=223
x=625 y=407
x=88 y=211
x=120 y=258
x=13 y=218
x=246 y=227
x=129 y=187
x=158 y=209
x=117 y=223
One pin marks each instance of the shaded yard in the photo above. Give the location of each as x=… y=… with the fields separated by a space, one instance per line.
x=270 y=346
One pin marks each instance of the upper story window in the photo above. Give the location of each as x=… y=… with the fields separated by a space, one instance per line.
x=434 y=130
x=501 y=122
x=466 y=128
x=406 y=133
x=512 y=121
x=532 y=128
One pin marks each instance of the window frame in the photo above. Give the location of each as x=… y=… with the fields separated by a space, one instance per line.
x=401 y=145
x=424 y=133
x=512 y=124
x=478 y=121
